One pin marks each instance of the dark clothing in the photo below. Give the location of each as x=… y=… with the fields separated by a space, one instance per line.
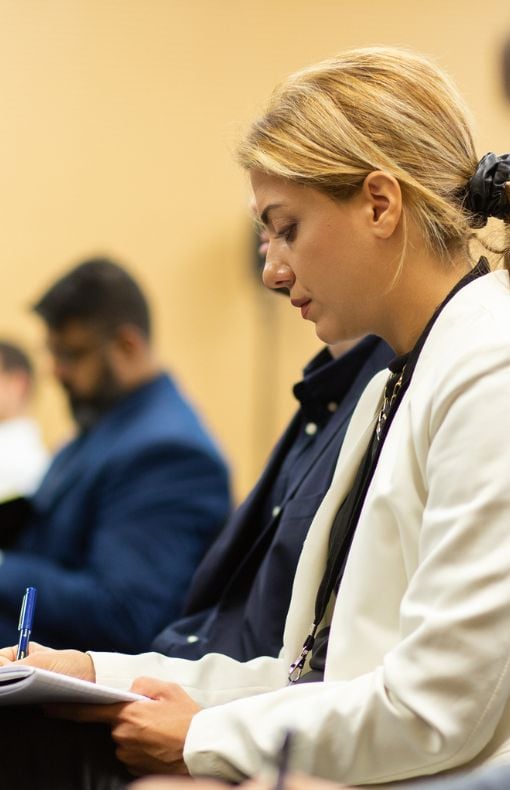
x=240 y=594
x=120 y=522
x=40 y=753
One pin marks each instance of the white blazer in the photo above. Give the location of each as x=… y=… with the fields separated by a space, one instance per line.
x=417 y=676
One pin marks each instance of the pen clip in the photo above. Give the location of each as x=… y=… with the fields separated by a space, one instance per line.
x=27 y=608
x=25 y=621
x=23 y=610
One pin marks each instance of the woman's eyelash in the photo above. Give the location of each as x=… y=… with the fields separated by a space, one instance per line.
x=287 y=233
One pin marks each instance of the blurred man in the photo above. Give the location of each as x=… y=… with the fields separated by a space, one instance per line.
x=128 y=507
x=23 y=457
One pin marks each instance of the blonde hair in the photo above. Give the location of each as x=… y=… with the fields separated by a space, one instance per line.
x=330 y=125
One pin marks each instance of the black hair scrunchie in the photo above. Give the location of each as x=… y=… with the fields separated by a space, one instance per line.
x=485 y=193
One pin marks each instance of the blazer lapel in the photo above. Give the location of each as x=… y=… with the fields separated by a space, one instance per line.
x=62 y=474
x=315 y=548
x=73 y=461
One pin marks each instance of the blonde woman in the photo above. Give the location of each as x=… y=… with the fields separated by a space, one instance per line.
x=367 y=181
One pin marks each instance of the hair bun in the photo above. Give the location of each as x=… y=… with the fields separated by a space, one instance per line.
x=486 y=194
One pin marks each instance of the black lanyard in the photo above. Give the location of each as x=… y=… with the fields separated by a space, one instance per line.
x=346 y=519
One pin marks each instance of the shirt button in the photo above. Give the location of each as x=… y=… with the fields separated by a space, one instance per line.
x=332 y=407
x=276 y=511
x=311 y=428
x=192 y=638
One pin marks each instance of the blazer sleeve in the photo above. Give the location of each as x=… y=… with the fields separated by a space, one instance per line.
x=440 y=695
x=212 y=680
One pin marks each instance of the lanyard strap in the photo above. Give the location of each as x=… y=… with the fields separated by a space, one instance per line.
x=346 y=519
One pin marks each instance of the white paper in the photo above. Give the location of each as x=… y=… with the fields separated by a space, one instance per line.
x=21 y=684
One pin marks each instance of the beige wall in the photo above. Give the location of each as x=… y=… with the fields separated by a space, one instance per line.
x=116 y=127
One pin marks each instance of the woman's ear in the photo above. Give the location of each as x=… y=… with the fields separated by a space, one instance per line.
x=384 y=202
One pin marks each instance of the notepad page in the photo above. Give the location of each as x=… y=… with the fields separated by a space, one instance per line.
x=25 y=685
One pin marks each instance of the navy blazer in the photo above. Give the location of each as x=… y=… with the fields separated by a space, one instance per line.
x=120 y=522
x=240 y=594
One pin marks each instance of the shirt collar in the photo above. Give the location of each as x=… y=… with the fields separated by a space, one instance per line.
x=326 y=380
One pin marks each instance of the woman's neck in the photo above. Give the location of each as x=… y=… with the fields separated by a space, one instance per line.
x=421 y=287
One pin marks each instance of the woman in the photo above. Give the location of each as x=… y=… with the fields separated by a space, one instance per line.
x=366 y=178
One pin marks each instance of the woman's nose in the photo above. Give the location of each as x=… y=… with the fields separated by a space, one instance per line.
x=277 y=274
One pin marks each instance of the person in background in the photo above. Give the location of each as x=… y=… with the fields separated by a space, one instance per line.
x=23 y=456
x=128 y=507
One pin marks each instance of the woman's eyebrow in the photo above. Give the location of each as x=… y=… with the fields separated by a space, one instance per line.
x=264 y=217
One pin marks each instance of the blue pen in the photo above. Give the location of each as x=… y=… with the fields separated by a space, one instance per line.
x=26 y=618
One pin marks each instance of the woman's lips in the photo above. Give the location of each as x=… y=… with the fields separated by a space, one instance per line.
x=303 y=305
x=304 y=309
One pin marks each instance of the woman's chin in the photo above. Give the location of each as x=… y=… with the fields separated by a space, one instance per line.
x=327 y=334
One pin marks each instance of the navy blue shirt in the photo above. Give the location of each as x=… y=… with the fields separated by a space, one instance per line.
x=240 y=594
x=324 y=385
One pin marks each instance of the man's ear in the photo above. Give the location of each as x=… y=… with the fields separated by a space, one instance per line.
x=128 y=340
x=17 y=385
x=383 y=198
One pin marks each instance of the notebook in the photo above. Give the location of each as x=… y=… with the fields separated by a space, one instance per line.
x=21 y=684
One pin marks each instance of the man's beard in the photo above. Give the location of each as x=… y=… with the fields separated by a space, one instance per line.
x=88 y=410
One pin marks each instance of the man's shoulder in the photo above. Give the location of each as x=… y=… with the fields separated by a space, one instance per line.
x=154 y=408
x=160 y=421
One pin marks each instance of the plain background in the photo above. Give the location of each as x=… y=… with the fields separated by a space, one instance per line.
x=118 y=121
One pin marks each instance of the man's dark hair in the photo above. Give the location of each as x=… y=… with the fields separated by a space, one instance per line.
x=97 y=291
x=12 y=357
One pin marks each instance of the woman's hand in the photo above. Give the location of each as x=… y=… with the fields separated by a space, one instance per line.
x=150 y=735
x=8 y=654
x=67 y=662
